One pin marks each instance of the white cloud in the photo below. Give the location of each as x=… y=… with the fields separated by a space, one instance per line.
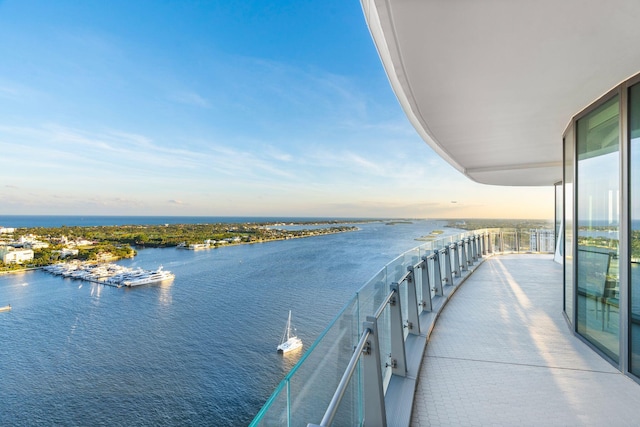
x=190 y=98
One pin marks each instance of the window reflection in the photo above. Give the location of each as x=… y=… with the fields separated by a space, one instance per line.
x=598 y=219
x=634 y=202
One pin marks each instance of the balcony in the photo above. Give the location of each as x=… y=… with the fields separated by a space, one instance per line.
x=504 y=353
x=500 y=354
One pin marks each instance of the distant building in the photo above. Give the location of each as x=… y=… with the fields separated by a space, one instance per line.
x=29 y=242
x=81 y=242
x=65 y=252
x=6 y=230
x=36 y=245
x=10 y=255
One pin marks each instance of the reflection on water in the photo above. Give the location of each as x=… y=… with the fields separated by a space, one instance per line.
x=290 y=358
x=164 y=296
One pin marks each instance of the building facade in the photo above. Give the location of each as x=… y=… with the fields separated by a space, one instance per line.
x=538 y=94
x=15 y=256
x=602 y=225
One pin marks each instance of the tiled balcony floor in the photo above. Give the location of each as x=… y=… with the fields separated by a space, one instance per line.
x=501 y=354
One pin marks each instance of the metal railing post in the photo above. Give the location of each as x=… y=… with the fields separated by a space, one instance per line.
x=447 y=266
x=398 y=356
x=463 y=256
x=474 y=249
x=374 y=410
x=413 y=322
x=426 y=288
x=437 y=274
x=456 y=259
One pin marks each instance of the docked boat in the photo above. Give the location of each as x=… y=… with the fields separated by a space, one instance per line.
x=289 y=340
x=153 y=277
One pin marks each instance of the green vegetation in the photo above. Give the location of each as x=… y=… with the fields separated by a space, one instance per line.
x=431 y=236
x=609 y=243
x=161 y=236
x=103 y=243
x=635 y=245
x=476 y=224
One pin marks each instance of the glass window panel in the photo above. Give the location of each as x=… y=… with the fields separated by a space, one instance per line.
x=598 y=219
x=558 y=211
x=634 y=203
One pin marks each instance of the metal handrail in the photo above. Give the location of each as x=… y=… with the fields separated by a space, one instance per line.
x=384 y=304
x=327 y=419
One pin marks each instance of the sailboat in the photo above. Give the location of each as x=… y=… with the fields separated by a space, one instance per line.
x=289 y=341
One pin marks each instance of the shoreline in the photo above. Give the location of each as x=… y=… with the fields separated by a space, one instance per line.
x=22 y=270
x=142 y=247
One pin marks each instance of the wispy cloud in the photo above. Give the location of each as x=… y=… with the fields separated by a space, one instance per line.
x=190 y=98
x=134 y=159
x=15 y=91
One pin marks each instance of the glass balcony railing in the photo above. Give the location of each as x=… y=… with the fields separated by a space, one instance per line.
x=357 y=365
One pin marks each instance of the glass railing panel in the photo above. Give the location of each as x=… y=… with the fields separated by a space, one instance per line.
x=495 y=241
x=384 y=341
x=373 y=294
x=313 y=383
x=509 y=241
x=276 y=411
x=439 y=244
x=371 y=297
x=527 y=241
x=304 y=395
x=351 y=408
x=425 y=248
x=397 y=268
x=450 y=239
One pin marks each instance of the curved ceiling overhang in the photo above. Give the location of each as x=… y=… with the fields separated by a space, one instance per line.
x=492 y=85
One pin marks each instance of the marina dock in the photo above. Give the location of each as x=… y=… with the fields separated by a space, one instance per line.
x=108 y=273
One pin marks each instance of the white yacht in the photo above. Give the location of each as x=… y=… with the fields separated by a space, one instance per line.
x=289 y=341
x=153 y=277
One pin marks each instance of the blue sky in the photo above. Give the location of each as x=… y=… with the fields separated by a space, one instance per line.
x=253 y=108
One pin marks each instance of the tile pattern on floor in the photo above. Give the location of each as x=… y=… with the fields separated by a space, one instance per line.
x=502 y=354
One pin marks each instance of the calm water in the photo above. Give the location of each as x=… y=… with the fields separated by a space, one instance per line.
x=200 y=351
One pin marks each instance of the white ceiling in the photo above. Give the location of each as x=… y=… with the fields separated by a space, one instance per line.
x=491 y=85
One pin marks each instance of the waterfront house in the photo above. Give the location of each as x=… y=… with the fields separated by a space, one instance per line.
x=9 y=255
x=66 y=252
